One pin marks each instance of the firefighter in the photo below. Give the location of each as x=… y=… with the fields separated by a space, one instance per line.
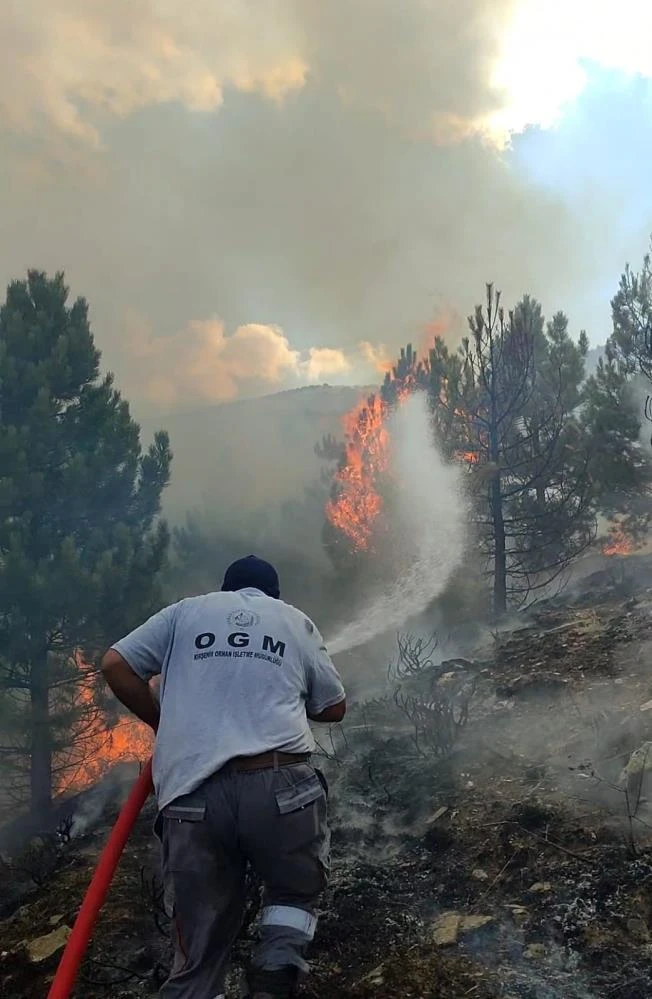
x=241 y=672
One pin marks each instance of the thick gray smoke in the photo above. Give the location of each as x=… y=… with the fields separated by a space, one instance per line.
x=278 y=180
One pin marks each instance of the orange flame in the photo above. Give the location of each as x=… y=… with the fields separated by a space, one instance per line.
x=617 y=543
x=356 y=505
x=97 y=746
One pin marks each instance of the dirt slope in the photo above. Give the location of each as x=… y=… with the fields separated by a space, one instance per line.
x=517 y=867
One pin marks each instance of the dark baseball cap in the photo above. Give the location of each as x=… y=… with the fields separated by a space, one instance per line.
x=252 y=571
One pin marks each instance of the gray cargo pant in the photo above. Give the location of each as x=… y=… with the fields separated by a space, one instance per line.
x=275 y=819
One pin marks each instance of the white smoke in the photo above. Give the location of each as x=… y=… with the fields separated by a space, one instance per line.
x=429 y=528
x=205 y=363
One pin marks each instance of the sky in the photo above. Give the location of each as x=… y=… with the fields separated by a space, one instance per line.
x=255 y=196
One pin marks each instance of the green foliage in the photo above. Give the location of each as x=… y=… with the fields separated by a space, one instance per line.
x=506 y=402
x=631 y=308
x=81 y=544
x=612 y=409
x=547 y=450
x=621 y=473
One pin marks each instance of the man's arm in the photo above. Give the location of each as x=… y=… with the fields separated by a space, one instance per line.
x=130 y=689
x=130 y=663
x=335 y=713
x=326 y=700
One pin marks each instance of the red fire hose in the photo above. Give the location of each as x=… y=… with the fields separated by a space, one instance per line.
x=64 y=979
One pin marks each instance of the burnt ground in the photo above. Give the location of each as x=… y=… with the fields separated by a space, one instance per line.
x=519 y=867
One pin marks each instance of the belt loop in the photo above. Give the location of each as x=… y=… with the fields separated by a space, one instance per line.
x=275 y=758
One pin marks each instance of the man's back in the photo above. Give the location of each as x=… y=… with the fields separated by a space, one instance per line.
x=241 y=673
x=239 y=670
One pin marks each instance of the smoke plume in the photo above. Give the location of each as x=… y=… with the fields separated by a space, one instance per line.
x=205 y=364
x=331 y=171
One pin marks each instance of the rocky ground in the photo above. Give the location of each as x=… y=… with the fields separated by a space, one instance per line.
x=512 y=858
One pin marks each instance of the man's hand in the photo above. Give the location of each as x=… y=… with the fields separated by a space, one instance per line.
x=130 y=690
x=330 y=715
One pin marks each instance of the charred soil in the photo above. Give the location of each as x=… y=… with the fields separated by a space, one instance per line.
x=517 y=865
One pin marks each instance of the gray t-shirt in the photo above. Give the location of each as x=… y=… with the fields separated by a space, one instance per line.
x=238 y=672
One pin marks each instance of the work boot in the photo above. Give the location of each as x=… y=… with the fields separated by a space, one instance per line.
x=278 y=984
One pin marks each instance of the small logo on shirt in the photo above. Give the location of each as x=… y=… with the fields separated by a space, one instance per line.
x=243 y=619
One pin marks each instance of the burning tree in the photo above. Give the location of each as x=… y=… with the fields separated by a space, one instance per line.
x=81 y=545
x=354 y=505
x=505 y=404
x=407 y=375
x=546 y=450
x=356 y=502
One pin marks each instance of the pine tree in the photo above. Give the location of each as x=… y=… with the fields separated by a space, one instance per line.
x=408 y=374
x=505 y=404
x=613 y=409
x=81 y=542
x=546 y=451
x=631 y=309
x=621 y=473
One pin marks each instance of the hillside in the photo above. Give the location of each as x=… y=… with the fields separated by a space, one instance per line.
x=239 y=456
x=507 y=859
x=235 y=457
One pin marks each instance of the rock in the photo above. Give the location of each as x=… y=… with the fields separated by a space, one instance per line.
x=534 y=952
x=647 y=706
x=375 y=977
x=450 y=926
x=541 y=888
x=55 y=920
x=41 y=948
x=447 y=928
x=479 y=875
x=519 y=913
x=633 y=774
x=438 y=814
x=472 y=923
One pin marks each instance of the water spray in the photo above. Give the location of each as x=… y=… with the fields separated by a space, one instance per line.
x=66 y=975
x=428 y=528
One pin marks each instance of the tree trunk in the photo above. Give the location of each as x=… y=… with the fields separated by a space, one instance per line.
x=500 y=554
x=41 y=746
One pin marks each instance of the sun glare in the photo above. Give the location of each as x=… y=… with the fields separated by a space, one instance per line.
x=546 y=47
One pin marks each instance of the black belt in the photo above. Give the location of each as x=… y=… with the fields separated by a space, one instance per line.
x=266 y=761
